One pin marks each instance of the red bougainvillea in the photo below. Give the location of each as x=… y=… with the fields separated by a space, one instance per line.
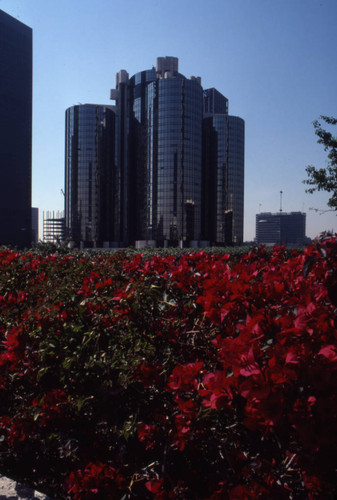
x=195 y=376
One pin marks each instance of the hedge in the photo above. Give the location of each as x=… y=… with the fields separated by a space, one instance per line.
x=191 y=376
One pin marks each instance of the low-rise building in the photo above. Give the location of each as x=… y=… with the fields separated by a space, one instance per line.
x=53 y=227
x=281 y=228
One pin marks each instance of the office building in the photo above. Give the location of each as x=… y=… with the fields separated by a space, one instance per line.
x=90 y=175
x=165 y=154
x=35 y=225
x=281 y=228
x=175 y=169
x=123 y=218
x=223 y=171
x=15 y=132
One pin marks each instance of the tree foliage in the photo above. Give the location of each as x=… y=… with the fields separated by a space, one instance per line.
x=325 y=179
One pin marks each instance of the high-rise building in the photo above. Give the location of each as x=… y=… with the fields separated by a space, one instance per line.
x=140 y=158
x=123 y=217
x=15 y=131
x=35 y=225
x=165 y=154
x=223 y=171
x=280 y=228
x=90 y=194
x=176 y=171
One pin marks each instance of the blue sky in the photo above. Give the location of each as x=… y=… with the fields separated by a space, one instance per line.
x=275 y=60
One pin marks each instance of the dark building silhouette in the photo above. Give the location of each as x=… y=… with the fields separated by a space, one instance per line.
x=176 y=172
x=280 y=228
x=35 y=225
x=15 y=132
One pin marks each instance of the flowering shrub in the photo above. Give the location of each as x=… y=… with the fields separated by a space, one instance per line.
x=199 y=376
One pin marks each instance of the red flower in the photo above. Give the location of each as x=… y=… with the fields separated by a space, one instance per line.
x=183 y=431
x=148 y=374
x=249 y=365
x=329 y=352
x=20 y=430
x=187 y=407
x=146 y=435
x=313 y=485
x=96 y=479
x=12 y=341
x=184 y=377
x=218 y=389
x=50 y=405
x=155 y=486
x=264 y=414
x=240 y=493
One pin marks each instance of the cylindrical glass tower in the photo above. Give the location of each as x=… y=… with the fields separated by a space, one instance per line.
x=223 y=171
x=166 y=142
x=89 y=175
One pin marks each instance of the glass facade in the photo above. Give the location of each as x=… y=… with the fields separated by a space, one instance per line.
x=91 y=187
x=215 y=102
x=179 y=126
x=166 y=137
x=223 y=175
x=141 y=156
x=15 y=132
x=280 y=228
x=236 y=172
x=123 y=220
x=164 y=166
